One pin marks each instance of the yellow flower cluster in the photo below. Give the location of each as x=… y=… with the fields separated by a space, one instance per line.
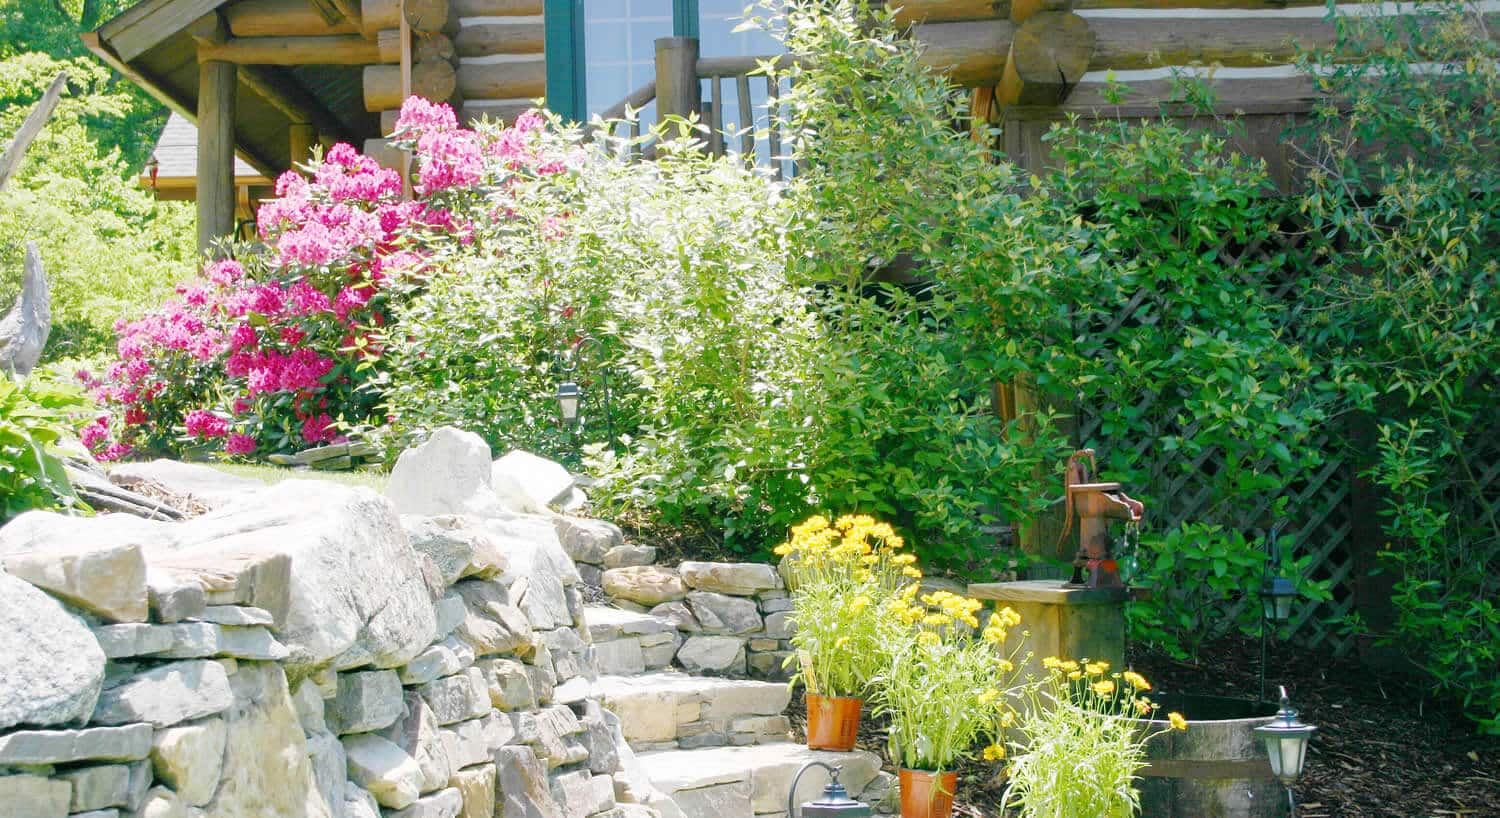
x=1178 y=722
x=849 y=538
x=997 y=629
x=994 y=752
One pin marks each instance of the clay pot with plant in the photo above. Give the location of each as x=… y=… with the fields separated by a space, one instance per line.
x=843 y=576
x=949 y=693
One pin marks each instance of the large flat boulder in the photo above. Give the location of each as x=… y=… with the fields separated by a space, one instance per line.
x=51 y=668
x=203 y=485
x=355 y=592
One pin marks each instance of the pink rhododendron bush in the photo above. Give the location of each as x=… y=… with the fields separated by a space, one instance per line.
x=279 y=347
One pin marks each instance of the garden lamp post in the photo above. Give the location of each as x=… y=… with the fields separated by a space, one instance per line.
x=1276 y=596
x=1286 y=741
x=570 y=394
x=835 y=802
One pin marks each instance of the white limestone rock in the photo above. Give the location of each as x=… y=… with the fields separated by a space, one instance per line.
x=108 y=581
x=476 y=787
x=337 y=610
x=366 y=701
x=527 y=482
x=582 y=793
x=95 y=788
x=530 y=546
x=330 y=769
x=713 y=654
x=522 y=783
x=383 y=769
x=457 y=698
x=166 y=695
x=587 y=540
x=51 y=667
x=624 y=556
x=721 y=613
x=457 y=548
x=445 y=803
x=189 y=759
x=416 y=733
x=359 y=803
x=491 y=623
x=32 y=796
x=508 y=683
x=447 y=474
x=267 y=769
x=30 y=748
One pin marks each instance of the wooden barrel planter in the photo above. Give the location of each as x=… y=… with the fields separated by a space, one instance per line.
x=1217 y=768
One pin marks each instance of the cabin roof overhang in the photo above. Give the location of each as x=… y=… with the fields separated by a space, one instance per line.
x=152 y=44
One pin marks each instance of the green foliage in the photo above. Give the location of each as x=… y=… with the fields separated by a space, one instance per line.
x=33 y=417
x=108 y=247
x=675 y=268
x=1082 y=741
x=1404 y=182
x=48 y=30
x=886 y=185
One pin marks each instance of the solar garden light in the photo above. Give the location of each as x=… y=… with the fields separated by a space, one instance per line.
x=1286 y=741
x=1276 y=596
x=570 y=394
x=835 y=802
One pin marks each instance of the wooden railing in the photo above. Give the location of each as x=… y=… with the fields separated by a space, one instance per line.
x=678 y=91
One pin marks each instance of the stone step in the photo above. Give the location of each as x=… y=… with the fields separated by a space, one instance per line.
x=627 y=643
x=671 y=710
x=752 y=782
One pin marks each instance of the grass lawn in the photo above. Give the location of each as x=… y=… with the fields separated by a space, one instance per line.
x=269 y=474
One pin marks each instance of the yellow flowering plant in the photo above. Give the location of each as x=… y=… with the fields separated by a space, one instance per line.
x=947 y=687
x=842 y=575
x=1080 y=741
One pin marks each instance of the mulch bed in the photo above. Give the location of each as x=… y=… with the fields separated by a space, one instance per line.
x=1385 y=745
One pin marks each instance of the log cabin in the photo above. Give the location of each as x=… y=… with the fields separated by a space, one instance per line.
x=266 y=80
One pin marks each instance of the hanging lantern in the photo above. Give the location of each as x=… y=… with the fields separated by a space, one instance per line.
x=568 y=398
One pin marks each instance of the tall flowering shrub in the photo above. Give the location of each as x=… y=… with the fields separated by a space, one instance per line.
x=279 y=349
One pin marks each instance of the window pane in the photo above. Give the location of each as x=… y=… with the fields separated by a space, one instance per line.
x=619 y=46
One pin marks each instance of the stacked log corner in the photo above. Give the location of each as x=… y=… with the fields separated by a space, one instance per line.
x=434 y=74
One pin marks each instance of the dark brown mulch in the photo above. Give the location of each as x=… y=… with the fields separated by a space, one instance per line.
x=1385 y=746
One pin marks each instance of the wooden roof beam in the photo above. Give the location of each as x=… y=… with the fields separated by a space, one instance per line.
x=281 y=18
x=172 y=100
x=345 y=49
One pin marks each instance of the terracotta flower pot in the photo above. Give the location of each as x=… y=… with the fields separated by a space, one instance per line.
x=832 y=722
x=927 y=794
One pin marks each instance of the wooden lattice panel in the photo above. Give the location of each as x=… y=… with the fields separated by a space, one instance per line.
x=1318 y=522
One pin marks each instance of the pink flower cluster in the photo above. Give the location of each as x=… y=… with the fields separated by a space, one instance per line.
x=259 y=354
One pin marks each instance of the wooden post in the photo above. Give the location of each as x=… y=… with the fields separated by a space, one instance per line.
x=677 y=89
x=1043 y=534
x=216 y=97
x=218 y=83
x=302 y=137
x=35 y=121
x=1048 y=56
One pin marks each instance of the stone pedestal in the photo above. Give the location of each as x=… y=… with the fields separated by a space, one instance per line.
x=1069 y=623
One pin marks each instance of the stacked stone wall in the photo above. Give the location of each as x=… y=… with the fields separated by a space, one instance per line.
x=308 y=650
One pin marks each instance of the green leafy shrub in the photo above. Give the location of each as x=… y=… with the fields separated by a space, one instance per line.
x=33 y=417
x=676 y=268
x=1404 y=184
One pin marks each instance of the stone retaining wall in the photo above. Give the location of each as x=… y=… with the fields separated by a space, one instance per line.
x=308 y=651
x=732 y=619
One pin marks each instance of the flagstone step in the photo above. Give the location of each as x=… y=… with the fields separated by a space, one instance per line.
x=628 y=643
x=753 y=782
x=668 y=710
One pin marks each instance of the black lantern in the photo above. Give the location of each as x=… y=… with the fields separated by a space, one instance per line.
x=570 y=394
x=1286 y=741
x=568 y=398
x=835 y=802
x=1277 y=593
x=1276 y=597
